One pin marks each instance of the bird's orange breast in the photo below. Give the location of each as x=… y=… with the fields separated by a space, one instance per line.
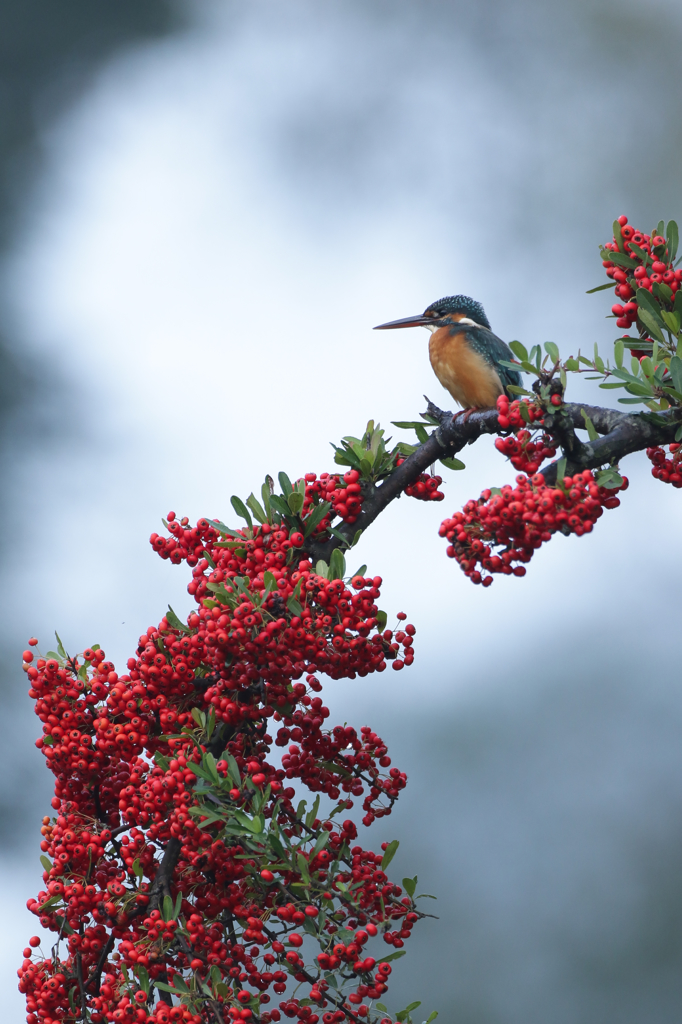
x=470 y=379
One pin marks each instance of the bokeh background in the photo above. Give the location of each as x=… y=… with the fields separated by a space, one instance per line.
x=204 y=208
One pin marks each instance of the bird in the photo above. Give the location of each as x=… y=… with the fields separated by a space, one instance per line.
x=467 y=358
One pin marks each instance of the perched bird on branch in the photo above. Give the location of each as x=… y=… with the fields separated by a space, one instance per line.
x=465 y=355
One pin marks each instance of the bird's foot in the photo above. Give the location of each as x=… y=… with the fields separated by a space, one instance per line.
x=465 y=413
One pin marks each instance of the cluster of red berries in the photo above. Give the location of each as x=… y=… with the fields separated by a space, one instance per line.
x=518 y=520
x=509 y=413
x=344 y=495
x=666 y=469
x=127 y=752
x=524 y=454
x=651 y=265
x=425 y=487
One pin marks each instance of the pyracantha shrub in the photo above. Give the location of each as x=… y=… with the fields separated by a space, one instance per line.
x=185 y=877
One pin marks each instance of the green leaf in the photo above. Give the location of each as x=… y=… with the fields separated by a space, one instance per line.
x=382 y=619
x=241 y=509
x=524 y=365
x=645 y=300
x=618 y=351
x=47 y=864
x=280 y=505
x=60 y=647
x=609 y=478
x=630 y=378
x=269 y=581
x=285 y=484
x=50 y=902
x=552 y=351
x=312 y=813
x=452 y=463
x=642 y=389
x=232 y=769
x=431 y=1016
x=618 y=238
x=337 y=565
x=380 y=1006
x=221 y=528
x=673 y=239
x=200 y=771
x=638 y=344
x=167 y=908
x=407 y=424
x=315 y=517
x=265 y=492
x=621 y=260
x=519 y=350
x=514 y=390
x=410 y=885
x=361 y=572
x=256 y=508
x=180 y=984
x=295 y=502
x=676 y=372
x=389 y=854
x=320 y=843
x=591 y=432
x=303 y=869
x=321 y=568
x=174 y=622
x=421 y=432
x=651 y=324
x=402 y=448
x=677 y=395
x=295 y=606
x=142 y=977
x=309 y=926
x=63 y=925
x=412 y=1006
x=210 y=764
x=672 y=321
x=572 y=365
x=600 y=288
x=220 y=593
x=391 y=956
x=561 y=470
x=137 y=868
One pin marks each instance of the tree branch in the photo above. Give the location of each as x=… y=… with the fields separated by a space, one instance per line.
x=622 y=433
x=161 y=884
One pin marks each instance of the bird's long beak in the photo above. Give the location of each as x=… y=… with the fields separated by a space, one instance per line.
x=407 y=321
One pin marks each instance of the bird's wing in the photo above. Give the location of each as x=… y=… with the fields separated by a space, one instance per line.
x=495 y=351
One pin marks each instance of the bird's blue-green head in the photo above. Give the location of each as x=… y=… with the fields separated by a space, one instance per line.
x=449 y=310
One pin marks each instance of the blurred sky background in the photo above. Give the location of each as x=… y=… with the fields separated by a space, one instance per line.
x=204 y=209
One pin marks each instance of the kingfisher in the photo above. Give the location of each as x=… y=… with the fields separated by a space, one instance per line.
x=465 y=355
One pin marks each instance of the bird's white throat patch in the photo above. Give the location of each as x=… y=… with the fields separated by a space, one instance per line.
x=464 y=320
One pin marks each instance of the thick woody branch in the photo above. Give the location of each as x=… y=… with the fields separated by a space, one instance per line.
x=161 y=884
x=622 y=433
